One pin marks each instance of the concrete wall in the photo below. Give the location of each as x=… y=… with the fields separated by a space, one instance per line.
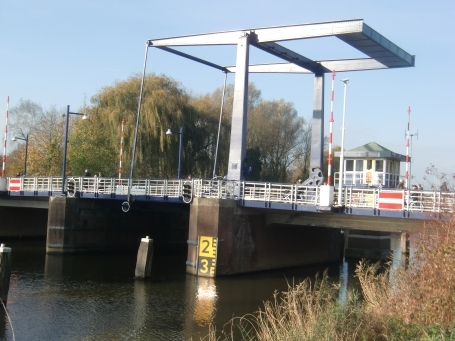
x=88 y=225
x=247 y=244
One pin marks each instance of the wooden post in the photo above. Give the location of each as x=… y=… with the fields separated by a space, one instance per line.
x=5 y=271
x=144 y=259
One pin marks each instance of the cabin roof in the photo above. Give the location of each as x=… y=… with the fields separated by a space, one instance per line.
x=372 y=150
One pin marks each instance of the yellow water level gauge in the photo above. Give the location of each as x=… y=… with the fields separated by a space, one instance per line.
x=207 y=250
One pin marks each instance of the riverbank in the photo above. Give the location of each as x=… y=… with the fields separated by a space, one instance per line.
x=412 y=301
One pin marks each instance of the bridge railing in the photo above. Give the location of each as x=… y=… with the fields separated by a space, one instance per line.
x=280 y=193
x=41 y=184
x=256 y=191
x=411 y=201
x=206 y=188
x=139 y=187
x=352 y=197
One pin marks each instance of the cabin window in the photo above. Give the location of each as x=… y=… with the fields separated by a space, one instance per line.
x=379 y=166
x=369 y=164
x=359 y=165
x=349 y=165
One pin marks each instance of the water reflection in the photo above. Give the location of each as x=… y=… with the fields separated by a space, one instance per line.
x=206 y=298
x=94 y=297
x=4 y=326
x=139 y=317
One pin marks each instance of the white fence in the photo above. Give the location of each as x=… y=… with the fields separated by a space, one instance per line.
x=352 y=197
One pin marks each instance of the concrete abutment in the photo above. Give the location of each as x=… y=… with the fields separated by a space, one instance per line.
x=91 y=225
x=247 y=244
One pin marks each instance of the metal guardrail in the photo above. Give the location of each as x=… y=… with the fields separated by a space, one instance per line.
x=266 y=192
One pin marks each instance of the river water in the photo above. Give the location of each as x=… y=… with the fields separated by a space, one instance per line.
x=94 y=297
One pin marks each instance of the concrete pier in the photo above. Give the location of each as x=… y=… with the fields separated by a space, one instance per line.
x=5 y=271
x=144 y=259
x=247 y=244
x=90 y=225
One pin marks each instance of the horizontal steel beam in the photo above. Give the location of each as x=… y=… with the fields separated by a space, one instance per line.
x=291 y=56
x=269 y=34
x=196 y=59
x=328 y=65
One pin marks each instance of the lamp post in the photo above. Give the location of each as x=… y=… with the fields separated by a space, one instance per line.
x=65 y=143
x=410 y=163
x=15 y=138
x=180 y=132
x=340 y=184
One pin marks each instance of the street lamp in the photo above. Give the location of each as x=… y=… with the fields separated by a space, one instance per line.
x=65 y=144
x=410 y=163
x=15 y=138
x=180 y=132
x=340 y=184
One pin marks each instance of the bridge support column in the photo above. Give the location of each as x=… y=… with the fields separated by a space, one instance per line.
x=88 y=225
x=247 y=244
x=404 y=242
x=237 y=149
x=317 y=136
x=368 y=244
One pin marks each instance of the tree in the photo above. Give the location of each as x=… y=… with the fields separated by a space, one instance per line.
x=165 y=104
x=45 y=130
x=438 y=180
x=301 y=166
x=278 y=141
x=254 y=158
x=276 y=130
x=209 y=106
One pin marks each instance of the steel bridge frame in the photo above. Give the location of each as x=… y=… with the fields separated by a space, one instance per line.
x=381 y=54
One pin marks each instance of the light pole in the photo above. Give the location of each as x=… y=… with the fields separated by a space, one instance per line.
x=180 y=132
x=15 y=138
x=65 y=143
x=410 y=163
x=340 y=184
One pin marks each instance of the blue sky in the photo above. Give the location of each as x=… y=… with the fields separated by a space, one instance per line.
x=55 y=52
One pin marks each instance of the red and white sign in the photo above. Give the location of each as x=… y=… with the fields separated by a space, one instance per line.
x=391 y=200
x=14 y=184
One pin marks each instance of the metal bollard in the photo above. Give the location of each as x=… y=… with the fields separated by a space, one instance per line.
x=144 y=259
x=5 y=271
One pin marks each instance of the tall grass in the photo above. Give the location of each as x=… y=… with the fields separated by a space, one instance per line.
x=307 y=311
x=412 y=303
x=421 y=296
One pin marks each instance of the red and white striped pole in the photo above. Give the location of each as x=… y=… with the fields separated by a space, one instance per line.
x=329 y=168
x=6 y=138
x=121 y=153
x=407 y=149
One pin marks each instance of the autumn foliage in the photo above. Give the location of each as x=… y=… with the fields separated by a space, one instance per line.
x=275 y=133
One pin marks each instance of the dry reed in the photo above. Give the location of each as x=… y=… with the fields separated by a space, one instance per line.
x=423 y=294
x=416 y=302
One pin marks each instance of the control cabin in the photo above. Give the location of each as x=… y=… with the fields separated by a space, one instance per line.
x=370 y=165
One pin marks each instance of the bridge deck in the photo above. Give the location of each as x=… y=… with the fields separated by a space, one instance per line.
x=277 y=196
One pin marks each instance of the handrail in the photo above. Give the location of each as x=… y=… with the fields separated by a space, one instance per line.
x=266 y=192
